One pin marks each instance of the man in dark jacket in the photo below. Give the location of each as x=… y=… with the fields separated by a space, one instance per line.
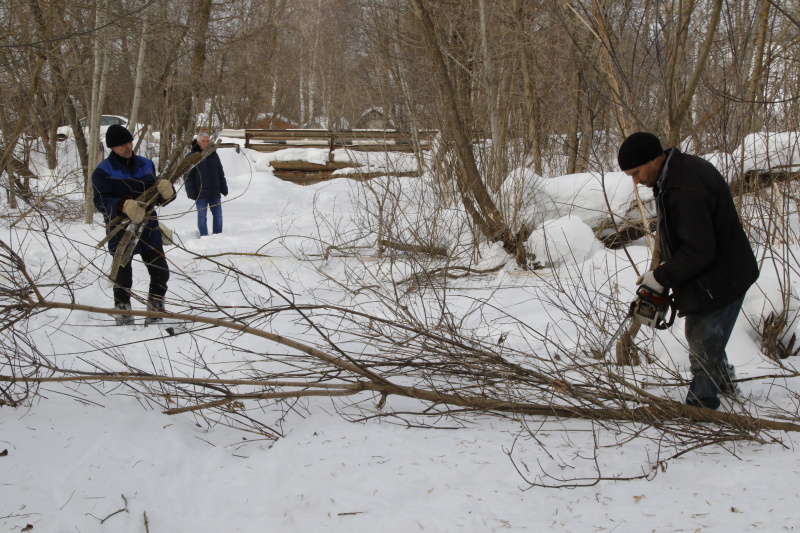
x=206 y=184
x=707 y=259
x=117 y=181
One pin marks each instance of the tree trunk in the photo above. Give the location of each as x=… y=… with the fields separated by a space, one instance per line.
x=679 y=102
x=587 y=127
x=5 y=161
x=574 y=121
x=606 y=64
x=405 y=90
x=530 y=105
x=302 y=99
x=101 y=61
x=756 y=77
x=203 y=16
x=11 y=136
x=42 y=119
x=137 y=86
x=474 y=194
x=495 y=168
x=750 y=121
x=45 y=121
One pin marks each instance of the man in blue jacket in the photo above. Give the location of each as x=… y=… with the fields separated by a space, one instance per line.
x=117 y=181
x=706 y=256
x=206 y=184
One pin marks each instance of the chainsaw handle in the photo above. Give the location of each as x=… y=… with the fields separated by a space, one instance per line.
x=671 y=319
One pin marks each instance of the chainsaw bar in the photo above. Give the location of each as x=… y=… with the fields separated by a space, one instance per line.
x=620 y=329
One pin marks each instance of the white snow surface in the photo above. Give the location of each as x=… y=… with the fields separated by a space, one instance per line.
x=78 y=454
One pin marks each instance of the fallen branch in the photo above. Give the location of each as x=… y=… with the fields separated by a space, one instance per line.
x=415 y=248
x=655 y=411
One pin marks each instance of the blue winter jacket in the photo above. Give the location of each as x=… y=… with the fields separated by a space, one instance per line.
x=116 y=179
x=207 y=179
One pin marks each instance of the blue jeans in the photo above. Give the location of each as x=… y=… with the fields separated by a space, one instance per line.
x=708 y=334
x=204 y=205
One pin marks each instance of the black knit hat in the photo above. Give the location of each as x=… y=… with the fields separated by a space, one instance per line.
x=639 y=148
x=117 y=135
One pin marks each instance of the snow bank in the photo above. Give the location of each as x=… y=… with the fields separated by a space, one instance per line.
x=534 y=199
x=769 y=151
x=564 y=209
x=767 y=297
x=584 y=196
x=566 y=240
x=235 y=163
x=318 y=156
x=375 y=162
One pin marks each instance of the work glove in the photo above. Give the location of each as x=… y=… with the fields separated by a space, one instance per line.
x=134 y=211
x=165 y=189
x=649 y=280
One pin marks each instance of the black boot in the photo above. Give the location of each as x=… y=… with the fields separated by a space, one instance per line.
x=703 y=392
x=123 y=320
x=727 y=386
x=154 y=303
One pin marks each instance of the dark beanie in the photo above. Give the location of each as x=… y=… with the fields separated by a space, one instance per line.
x=639 y=148
x=117 y=135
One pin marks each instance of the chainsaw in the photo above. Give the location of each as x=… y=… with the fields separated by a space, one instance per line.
x=650 y=308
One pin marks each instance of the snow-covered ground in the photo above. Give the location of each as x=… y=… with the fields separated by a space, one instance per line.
x=96 y=457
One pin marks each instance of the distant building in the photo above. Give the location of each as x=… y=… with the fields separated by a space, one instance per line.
x=374 y=118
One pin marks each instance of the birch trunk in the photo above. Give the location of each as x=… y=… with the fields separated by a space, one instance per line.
x=312 y=75
x=496 y=170
x=137 y=88
x=302 y=100
x=574 y=121
x=98 y=94
x=749 y=122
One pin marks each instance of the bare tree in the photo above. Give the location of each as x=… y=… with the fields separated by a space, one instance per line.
x=473 y=190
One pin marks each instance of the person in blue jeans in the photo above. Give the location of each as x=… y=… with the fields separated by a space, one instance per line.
x=206 y=185
x=707 y=260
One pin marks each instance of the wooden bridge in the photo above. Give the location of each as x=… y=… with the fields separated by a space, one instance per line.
x=371 y=140
x=361 y=140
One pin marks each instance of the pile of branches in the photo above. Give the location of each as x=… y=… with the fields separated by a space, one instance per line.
x=364 y=357
x=374 y=355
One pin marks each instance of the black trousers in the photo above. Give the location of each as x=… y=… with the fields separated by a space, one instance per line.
x=156 y=263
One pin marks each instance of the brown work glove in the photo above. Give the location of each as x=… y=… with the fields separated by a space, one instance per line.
x=134 y=211
x=165 y=189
